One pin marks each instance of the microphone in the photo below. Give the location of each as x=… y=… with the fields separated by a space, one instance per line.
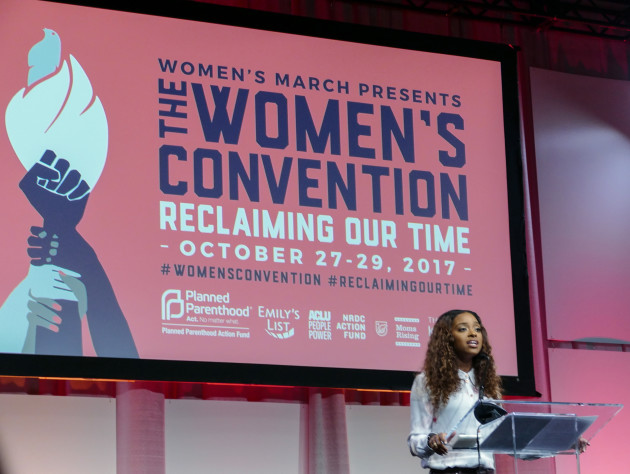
x=485 y=412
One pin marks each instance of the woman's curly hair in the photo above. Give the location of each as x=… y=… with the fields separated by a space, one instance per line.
x=440 y=363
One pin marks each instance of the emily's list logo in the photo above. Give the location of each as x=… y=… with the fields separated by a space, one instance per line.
x=172 y=305
x=279 y=321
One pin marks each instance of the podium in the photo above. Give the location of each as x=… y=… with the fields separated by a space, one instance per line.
x=527 y=437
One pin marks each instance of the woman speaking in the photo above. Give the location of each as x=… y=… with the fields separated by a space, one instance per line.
x=458 y=363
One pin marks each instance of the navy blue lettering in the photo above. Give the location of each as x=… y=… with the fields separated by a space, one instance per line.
x=443 y=121
x=166 y=151
x=262 y=138
x=304 y=182
x=167 y=65
x=356 y=130
x=187 y=68
x=172 y=111
x=172 y=88
x=205 y=71
x=163 y=129
x=237 y=172
x=347 y=191
x=429 y=193
x=201 y=172
x=282 y=80
x=398 y=192
x=277 y=187
x=376 y=172
x=389 y=128
x=448 y=194
x=220 y=123
x=238 y=74
x=329 y=131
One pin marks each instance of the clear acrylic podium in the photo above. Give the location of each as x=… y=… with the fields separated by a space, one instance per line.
x=531 y=434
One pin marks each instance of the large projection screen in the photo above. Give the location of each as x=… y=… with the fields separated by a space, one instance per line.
x=252 y=198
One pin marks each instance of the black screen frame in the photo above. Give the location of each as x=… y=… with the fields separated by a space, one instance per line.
x=195 y=371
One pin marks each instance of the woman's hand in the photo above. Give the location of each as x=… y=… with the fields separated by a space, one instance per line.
x=437 y=443
x=582 y=444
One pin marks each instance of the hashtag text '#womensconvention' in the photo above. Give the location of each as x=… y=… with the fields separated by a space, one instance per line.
x=315 y=279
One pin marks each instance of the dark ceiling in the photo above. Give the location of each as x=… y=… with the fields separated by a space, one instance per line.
x=604 y=19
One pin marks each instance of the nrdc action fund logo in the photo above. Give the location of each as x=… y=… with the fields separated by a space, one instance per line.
x=172 y=305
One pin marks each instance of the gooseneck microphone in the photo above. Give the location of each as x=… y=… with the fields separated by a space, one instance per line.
x=485 y=412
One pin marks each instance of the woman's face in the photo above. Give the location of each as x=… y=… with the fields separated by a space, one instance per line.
x=467 y=337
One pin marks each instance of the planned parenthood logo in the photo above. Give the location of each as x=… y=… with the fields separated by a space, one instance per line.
x=172 y=305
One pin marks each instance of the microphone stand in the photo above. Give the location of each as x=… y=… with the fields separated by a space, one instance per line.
x=485 y=412
x=482 y=386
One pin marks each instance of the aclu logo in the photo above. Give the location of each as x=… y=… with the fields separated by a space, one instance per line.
x=319 y=325
x=315 y=315
x=172 y=305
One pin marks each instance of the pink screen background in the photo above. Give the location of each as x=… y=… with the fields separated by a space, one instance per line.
x=582 y=148
x=120 y=52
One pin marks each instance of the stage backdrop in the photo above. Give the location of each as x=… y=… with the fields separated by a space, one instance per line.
x=205 y=192
x=582 y=129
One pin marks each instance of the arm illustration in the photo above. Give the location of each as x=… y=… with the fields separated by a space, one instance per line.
x=60 y=195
